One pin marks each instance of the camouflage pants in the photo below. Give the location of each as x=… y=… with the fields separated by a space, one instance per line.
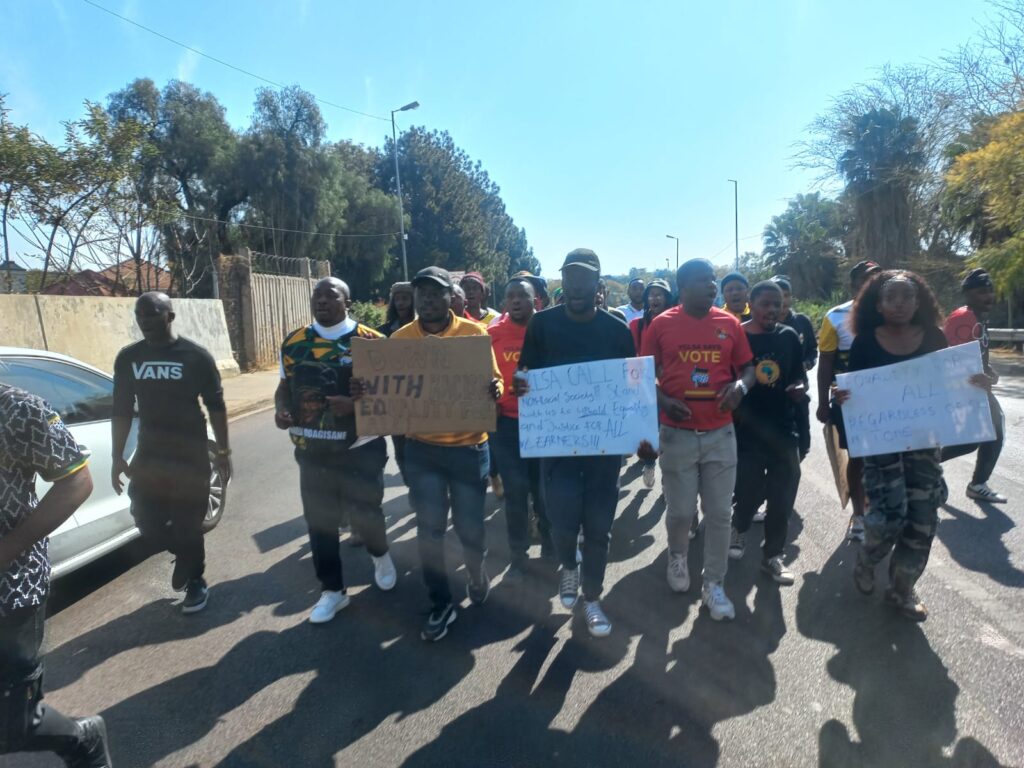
x=904 y=491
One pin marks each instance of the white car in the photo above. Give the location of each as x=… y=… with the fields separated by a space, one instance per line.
x=84 y=398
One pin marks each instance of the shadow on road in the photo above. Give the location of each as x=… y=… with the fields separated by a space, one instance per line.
x=976 y=543
x=894 y=673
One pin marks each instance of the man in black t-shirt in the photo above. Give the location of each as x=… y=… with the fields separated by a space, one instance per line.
x=804 y=328
x=165 y=375
x=581 y=491
x=768 y=467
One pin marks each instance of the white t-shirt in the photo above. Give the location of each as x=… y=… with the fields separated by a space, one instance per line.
x=630 y=313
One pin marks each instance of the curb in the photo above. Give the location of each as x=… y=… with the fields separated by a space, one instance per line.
x=251 y=409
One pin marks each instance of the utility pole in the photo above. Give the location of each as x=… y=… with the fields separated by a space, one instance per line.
x=673 y=237
x=736 y=218
x=398 y=184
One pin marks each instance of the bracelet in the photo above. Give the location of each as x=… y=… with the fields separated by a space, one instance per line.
x=223 y=452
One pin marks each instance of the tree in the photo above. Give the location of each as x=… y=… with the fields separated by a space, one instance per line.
x=882 y=161
x=806 y=243
x=997 y=170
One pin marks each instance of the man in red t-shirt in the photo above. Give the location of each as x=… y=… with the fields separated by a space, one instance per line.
x=697 y=350
x=520 y=476
x=966 y=324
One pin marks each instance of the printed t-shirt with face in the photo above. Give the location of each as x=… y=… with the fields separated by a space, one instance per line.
x=696 y=358
x=316 y=361
x=962 y=326
x=507 y=341
x=767 y=410
x=167 y=382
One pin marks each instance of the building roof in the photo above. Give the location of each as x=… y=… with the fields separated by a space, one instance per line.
x=11 y=266
x=118 y=280
x=151 y=277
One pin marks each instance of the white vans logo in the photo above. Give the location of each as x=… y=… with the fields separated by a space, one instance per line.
x=157 y=370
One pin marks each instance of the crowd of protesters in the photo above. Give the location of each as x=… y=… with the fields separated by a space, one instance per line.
x=732 y=388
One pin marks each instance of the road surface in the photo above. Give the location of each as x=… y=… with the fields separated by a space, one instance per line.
x=808 y=675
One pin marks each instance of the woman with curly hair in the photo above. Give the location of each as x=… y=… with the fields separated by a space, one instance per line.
x=896 y=318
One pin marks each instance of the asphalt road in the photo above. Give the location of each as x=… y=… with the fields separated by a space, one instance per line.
x=808 y=675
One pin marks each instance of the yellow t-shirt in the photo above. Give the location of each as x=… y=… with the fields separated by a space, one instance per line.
x=459 y=326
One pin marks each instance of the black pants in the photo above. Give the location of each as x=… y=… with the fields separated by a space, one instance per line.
x=803 y=425
x=398 y=441
x=339 y=487
x=988 y=453
x=26 y=723
x=170 y=496
x=766 y=469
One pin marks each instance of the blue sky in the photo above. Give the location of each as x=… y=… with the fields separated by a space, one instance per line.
x=607 y=125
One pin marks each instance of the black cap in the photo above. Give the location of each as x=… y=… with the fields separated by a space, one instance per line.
x=540 y=285
x=732 y=276
x=583 y=257
x=976 y=278
x=636 y=280
x=658 y=283
x=783 y=282
x=863 y=269
x=433 y=275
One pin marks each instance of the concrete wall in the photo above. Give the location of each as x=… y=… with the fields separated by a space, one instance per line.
x=93 y=329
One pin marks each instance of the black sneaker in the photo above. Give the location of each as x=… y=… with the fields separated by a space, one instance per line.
x=196 y=595
x=907 y=603
x=92 y=751
x=438 y=622
x=179 y=579
x=864 y=577
x=478 y=589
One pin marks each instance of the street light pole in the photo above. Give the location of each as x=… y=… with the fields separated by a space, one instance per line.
x=736 y=217
x=398 y=184
x=673 y=237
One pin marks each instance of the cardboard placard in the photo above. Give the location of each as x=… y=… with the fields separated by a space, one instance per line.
x=838 y=460
x=926 y=402
x=606 y=407
x=423 y=386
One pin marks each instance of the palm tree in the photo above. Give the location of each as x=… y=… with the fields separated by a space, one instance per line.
x=805 y=242
x=882 y=161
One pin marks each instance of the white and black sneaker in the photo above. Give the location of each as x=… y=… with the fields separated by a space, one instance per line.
x=196 y=595
x=479 y=588
x=649 y=476
x=597 y=622
x=569 y=587
x=438 y=622
x=760 y=515
x=737 y=545
x=92 y=750
x=981 y=492
x=856 y=529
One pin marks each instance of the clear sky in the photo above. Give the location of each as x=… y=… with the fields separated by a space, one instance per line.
x=607 y=124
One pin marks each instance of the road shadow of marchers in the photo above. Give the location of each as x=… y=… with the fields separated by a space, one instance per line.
x=631 y=534
x=976 y=543
x=647 y=716
x=904 y=705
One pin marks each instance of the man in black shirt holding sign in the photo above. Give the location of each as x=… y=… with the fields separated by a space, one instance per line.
x=581 y=491
x=166 y=375
x=768 y=465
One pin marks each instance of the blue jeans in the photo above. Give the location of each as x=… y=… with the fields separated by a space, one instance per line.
x=583 y=492
x=517 y=474
x=438 y=474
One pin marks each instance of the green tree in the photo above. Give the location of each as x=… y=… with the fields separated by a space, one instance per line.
x=806 y=243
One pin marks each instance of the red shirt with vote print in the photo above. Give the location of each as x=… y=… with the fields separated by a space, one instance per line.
x=695 y=359
x=507 y=342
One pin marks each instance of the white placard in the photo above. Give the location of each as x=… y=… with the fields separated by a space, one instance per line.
x=926 y=402
x=605 y=407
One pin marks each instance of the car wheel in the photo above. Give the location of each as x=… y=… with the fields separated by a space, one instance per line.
x=218 y=496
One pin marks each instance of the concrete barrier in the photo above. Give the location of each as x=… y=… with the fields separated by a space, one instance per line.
x=93 y=329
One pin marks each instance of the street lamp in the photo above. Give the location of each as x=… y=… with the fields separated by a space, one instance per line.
x=736 y=217
x=673 y=237
x=398 y=183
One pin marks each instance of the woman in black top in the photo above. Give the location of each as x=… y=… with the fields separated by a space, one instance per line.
x=896 y=318
x=400 y=309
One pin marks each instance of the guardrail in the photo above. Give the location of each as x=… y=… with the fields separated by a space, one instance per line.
x=1013 y=335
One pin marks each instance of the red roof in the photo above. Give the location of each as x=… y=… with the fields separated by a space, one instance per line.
x=118 y=280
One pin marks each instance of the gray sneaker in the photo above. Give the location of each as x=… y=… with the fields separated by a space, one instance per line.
x=597 y=622
x=569 y=587
x=678 y=572
x=737 y=545
x=775 y=568
x=714 y=597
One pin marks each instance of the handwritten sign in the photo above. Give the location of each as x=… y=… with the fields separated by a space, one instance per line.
x=602 y=408
x=423 y=386
x=926 y=402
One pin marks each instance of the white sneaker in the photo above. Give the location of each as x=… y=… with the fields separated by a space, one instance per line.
x=384 y=573
x=760 y=515
x=678 y=572
x=649 y=475
x=597 y=622
x=982 y=492
x=856 y=530
x=719 y=606
x=328 y=605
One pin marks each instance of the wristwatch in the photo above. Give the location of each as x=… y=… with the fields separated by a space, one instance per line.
x=223 y=452
x=742 y=385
